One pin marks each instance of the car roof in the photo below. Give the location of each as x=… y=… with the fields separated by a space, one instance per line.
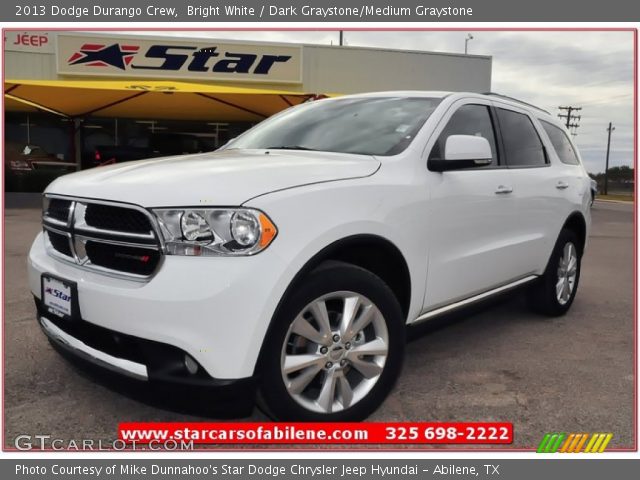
x=403 y=93
x=536 y=111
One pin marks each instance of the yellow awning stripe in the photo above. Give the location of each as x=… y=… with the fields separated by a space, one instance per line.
x=150 y=99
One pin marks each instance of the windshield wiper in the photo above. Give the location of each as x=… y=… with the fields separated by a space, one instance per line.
x=290 y=147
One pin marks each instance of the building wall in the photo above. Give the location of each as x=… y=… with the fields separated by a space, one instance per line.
x=29 y=66
x=354 y=70
x=326 y=69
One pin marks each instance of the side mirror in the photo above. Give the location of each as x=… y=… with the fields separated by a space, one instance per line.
x=463 y=151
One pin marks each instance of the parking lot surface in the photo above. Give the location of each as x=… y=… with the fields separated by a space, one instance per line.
x=499 y=362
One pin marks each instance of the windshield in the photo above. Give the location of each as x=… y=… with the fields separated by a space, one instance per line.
x=367 y=126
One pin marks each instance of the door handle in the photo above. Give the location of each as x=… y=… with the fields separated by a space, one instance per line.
x=503 y=189
x=562 y=185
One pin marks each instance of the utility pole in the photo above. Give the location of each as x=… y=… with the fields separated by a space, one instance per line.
x=606 y=168
x=466 y=42
x=572 y=121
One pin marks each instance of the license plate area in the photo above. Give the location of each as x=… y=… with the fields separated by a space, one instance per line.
x=59 y=297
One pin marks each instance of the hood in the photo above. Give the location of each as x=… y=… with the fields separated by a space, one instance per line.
x=225 y=178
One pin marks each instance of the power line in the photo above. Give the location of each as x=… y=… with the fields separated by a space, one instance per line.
x=572 y=121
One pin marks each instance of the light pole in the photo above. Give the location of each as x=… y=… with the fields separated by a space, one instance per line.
x=466 y=42
x=606 y=168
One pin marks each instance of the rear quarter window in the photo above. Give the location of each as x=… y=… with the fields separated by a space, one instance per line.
x=561 y=144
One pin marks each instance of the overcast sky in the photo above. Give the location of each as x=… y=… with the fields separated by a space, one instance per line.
x=593 y=70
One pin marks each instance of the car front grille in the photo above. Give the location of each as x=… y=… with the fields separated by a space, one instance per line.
x=141 y=261
x=108 y=217
x=60 y=242
x=109 y=237
x=59 y=209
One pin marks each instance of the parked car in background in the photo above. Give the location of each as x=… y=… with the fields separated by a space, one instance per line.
x=594 y=190
x=151 y=146
x=27 y=158
x=30 y=168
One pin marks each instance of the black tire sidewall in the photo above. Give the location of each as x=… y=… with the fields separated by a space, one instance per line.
x=326 y=279
x=546 y=299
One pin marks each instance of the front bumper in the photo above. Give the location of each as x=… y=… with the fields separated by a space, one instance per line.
x=215 y=309
x=132 y=357
x=77 y=347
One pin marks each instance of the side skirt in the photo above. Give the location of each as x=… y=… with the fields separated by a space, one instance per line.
x=468 y=301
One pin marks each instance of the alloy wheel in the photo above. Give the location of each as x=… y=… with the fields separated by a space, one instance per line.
x=567 y=272
x=334 y=352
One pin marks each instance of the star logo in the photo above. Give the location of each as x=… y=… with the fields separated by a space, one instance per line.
x=94 y=55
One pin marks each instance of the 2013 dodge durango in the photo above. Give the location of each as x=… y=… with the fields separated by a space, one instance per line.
x=291 y=261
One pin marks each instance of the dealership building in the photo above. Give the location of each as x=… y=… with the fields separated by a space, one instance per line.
x=70 y=92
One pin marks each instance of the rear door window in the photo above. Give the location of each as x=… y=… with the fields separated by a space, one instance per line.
x=522 y=145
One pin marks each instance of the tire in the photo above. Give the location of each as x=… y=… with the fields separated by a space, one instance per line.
x=545 y=295
x=338 y=383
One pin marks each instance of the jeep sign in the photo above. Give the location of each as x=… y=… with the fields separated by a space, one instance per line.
x=178 y=59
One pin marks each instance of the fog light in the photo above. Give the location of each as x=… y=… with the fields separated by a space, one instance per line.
x=190 y=364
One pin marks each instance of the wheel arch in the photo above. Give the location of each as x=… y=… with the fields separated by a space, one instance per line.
x=371 y=252
x=577 y=223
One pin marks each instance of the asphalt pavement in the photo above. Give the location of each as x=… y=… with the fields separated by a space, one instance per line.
x=499 y=362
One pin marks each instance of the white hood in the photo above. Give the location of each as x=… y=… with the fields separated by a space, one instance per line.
x=225 y=178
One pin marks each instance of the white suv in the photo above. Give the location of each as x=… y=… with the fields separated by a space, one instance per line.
x=292 y=260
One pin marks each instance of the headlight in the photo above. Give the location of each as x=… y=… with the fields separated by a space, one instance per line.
x=245 y=228
x=215 y=231
x=195 y=228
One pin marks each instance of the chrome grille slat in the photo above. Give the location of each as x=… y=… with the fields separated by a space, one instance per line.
x=59 y=231
x=134 y=255
x=146 y=246
x=89 y=230
x=54 y=221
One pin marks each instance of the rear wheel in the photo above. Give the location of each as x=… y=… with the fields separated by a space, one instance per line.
x=555 y=291
x=336 y=348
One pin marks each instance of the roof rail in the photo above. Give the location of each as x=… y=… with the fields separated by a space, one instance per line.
x=517 y=101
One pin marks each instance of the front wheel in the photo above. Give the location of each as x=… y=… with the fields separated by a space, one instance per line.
x=335 y=349
x=555 y=291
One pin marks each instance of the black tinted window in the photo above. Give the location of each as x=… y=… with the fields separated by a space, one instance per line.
x=369 y=126
x=468 y=120
x=561 y=144
x=522 y=144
